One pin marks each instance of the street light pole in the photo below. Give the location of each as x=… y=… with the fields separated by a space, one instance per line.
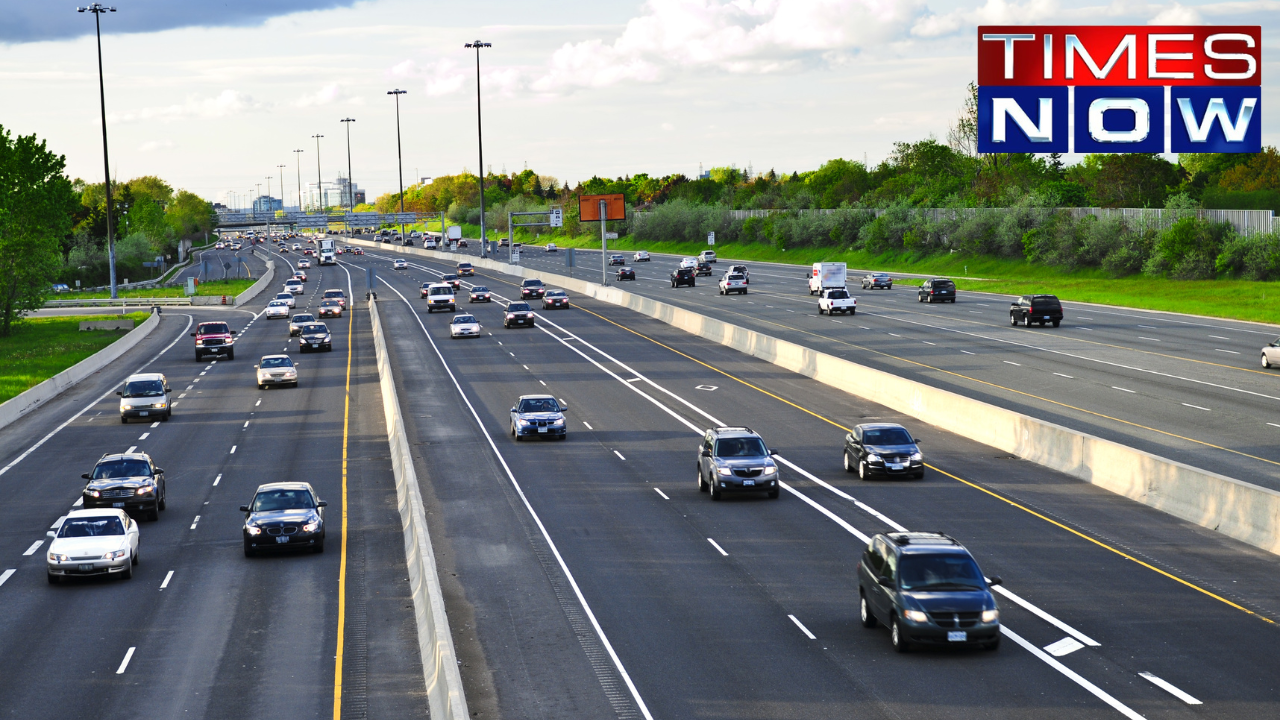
x=271 y=211
x=351 y=188
x=399 y=156
x=319 y=182
x=98 y=9
x=299 y=164
x=484 y=241
x=281 y=170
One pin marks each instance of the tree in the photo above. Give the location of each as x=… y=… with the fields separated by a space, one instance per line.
x=1132 y=180
x=1260 y=172
x=963 y=135
x=36 y=211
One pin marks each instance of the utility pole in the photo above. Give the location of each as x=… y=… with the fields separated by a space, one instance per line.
x=484 y=240
x=98 y=9
x=319 y=183
x=399 y=156
x=299 y=164
x=351 y=188
x=281 y=168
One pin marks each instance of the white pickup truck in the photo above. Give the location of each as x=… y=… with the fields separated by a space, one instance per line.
x=837 y=300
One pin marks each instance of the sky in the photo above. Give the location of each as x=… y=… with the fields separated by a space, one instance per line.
x=214 y=97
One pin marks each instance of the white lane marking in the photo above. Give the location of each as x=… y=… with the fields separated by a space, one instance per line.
x=233 y=449
x=615 y=452
x=895 y=334
x=838 y=321
x=1065 y=646
x=1233 y=352
x=58 y=522
x=664 y=497
x=125 y=663
x=544 y=384
x=830 y=515
x=6 y=575
x=976 y=312
x=34 y=547
x=144 y=436
x=1219 y=337
x=258 y=403
x=635 y=379
x=1273 y=425
x=511 y=354
x=79 y=501
x=526 y=367
x=499 y=342
x=1149 y=327
x=840 y=493
x=208 y=371
x=131 y=449
x=246 y=424
x=966 y=352
x=198 y=379
x=803 y=629
x=584 y=422
x=217 y=480
x=1169 y=687
x=1147 y=338
x=1197 y=407
x=716 y=545
x=193 y=522
x=1065 y=376
x=1113 y=387
x=188 y=388
x=167 y=578
x=155 y=424
x=1010 y=362
x=182 y=396
x=926 y=342
x=1097 y=691
x=1085 y=318
x=1045 y=616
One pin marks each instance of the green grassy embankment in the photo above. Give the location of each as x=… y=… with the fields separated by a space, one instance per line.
x=40 y=348
x=213 y=287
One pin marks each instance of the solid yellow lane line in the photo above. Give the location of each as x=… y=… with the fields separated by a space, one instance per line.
x=342 y=564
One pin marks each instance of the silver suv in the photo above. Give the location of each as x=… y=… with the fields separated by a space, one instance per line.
x=735 y=459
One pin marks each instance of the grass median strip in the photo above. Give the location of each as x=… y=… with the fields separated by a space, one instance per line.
x=40 y=348
x=233 y=286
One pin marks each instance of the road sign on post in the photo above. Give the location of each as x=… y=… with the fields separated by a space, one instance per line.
x=711 y=238
x=557 y=217
x=600 y=208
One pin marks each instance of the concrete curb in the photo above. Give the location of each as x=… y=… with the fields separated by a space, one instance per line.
x=258 y=287
x=445 y=698
x=25 y=402
x=1241 y=510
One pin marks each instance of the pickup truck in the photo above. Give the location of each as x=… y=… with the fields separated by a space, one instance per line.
x=837 y=300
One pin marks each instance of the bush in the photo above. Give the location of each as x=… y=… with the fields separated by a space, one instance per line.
x=1252 y=257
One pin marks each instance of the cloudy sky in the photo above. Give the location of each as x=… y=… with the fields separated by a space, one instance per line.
x=214 y=96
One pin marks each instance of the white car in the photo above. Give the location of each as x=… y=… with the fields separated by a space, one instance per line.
x=464 y=326
x=689 y=262
x=277 y=309
x=287 y=297
x=276 y=370
x=93 y=542
x=640 y=256
x=304 y=264
x=551 y=247
x=733 y=283
x=297 y=246
x=293 y=286
x=399 y=265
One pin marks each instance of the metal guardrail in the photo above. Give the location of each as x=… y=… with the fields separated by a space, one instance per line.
x=121 y=302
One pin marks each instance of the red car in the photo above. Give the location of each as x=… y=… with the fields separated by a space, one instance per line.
x=214 y=338
x=358 y=251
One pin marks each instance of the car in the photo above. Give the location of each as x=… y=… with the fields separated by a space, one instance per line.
x=283 y=516
x=625 y=273
x=309 y=252
x=218 y=245
x=415 y=234
x=640 y=256
x=741 y=270
x=462 y=242
x=735 y=459
x=518 y=313
x=702 y=268
x=1039 y=309
x=480 y=293
x=297 y=246
x=689 y=262
x=92 y=542
x=503 y=242
x=708 y=256
x=538 y=416
x=297 y=321
x=284 y=250
x=683 y=276
x=555 y=299
x=1271 y=354
x=464 y=326
x=276 y=309
x=431 y=244
x=276 y=370
x=287 y=297
x=441 y=296
x=399 y=264
x=936 y=290
x=422 y=289
x=453 y=280
x=61 y=287
x=551 y=247
x=882 y=450
x=145 y=395
x=465 y=269
x=877 y=280
x=300 y=275
x=216 y=338
x=532 y=288
x=315 y=336
x=837 y=300
x=733 y=283
x=358 y=251
x=330 y=307
x=335 y=294
x=128 y=481
x=617 y=260
x=293 y=286
x=304 y=264
x=929 y=590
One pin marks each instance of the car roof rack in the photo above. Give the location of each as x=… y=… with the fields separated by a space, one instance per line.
x=905 y=538
x=737 y=428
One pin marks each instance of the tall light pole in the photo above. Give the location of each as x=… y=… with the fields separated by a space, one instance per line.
x=484 y=240
x=281 y=167
x=271 y=210
x=351 y=188
x=319 y=185
x=299 y=164
x=257 y=197
x=399 y=157
x=98 y=9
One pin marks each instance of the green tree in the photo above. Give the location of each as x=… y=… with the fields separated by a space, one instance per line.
x=37 y=206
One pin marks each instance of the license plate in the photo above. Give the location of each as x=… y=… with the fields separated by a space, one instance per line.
x=119 y=504
x=144 y=413
x=957 y=636
x=285 y=539
x=86 y=568
x=315 y=345
x=895 y=466
x=748 y=482
x=1046 y=317
x=542 y=429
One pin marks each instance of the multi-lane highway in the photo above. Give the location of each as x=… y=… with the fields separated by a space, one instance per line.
x=591 y=578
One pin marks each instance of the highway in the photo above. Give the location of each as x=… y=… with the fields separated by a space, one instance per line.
x=591 y=579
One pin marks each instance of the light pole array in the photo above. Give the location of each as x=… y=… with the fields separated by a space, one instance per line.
x=319 y=187
x=98 y=9
x=299 y=164
x=351 y=188
x=484 y=240
x=399 y=158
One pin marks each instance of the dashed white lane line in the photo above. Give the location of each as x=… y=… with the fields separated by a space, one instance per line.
x=217 y=480
x=1071 y=674
x=1065 y=646
x=716 y=545
x=188 y=388
x=144 y=436
x=615 y=452
x=195 y=522
x=57 y=522
x=803 y=629
x=79 y=501
x=966 y=352
x=167 y=578
x=1233 y=352
x=125 y=663
x=233 y=449
x=1169 y=687
x=6 y=575
x=1113 y=387
x=1147 y=338
x=584 y=422
x=926 y=342
x=1149 y=327
x=34 y=547
x=664 y=497
x=206 y=371
x=131 y=449
x=895 y=334
x=1197 y=407
x=1219 y=337
x=182 y=396
x=511 y=353
x=246 y=424
x=1274 y=424
x=526 y=367
x=544 y=384
x=1010 y=362
x=634 y=380
x=1069 y=377
x=1018 y=600
x=155 y=424
x=258 y=403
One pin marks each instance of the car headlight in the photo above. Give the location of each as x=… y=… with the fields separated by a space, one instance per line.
x=872 y=457
x=311 y=526
x=158 y=405
x=724 y=470
x=58 y=557
x=770 y=470
x=916 y=456
x=93 y=493
x=290 y=373
x=511 y=316
x=145 y=490
x=115 y=555
x=915 y=616
x=522 y=423
x=990 y=615
x=199 y=343
x=325 y=338
x=558 y=422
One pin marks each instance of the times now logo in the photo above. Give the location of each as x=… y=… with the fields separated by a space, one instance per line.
x=1119 y=89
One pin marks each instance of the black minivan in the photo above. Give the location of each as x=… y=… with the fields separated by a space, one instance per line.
x=929 y=590
x=937 y=290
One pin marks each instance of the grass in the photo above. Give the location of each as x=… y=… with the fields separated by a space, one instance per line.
x=40 y=348
x=1231 y=299
x=233 y=286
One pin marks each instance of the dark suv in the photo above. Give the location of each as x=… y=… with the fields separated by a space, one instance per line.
x=532 y=288
x=937 y=290
x=1036 y=309
x=882 y=449
x=928 y=589
x=683 y=276
x=129 y=481
x=735 y=459
x=703 y=268
x=214 y=338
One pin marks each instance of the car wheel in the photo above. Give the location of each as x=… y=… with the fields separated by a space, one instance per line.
x=715 y=491
x=1266 y=363
x=319 y=548
x=702 y=484
x=862 y=470
x=261 y=386
x=154 y=513
x=199 y=357
x=1056 y=323
x=136 y=556
x=248 y=551
x=163 y=501
x=820 y=311
x=167 y=416
x=231 y=354
x=124 y=420
x=853 y=311
x=953 y=301
x=1013 y=320
x=773 y=494
x=848 y=466
x=864 y=612
x=53 y=579
x=895 y=636
x=993 y=645
x=128 y=572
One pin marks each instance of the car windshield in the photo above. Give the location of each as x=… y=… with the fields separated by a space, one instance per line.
x=739 y=277
x=740 y=447
x=441 y=290
x=464 y=266
x=838 y=295
x=294 y=281
x=555 y=293
x=479 y=289
x=275 y=362
x=333 y=293
x=886 y=436
x=449 y=277
x=144 y=388
x=272 y=500
x=463 y=320
x=121 y=469
x=531 y=283
x=518 y=307
x=214 y=329
x=277 y=303
x=283 y=296
x=939 y=572
x=880 y=275
x=303 y=318
x=91 y=527
x=328 y=303
x=314 y=329
x=537 y=405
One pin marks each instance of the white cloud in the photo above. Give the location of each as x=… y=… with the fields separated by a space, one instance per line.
x=326 y=95
x=405 y=69
x=1177 y=14
x=226 y=103
x=443 y=78
x=155 y=145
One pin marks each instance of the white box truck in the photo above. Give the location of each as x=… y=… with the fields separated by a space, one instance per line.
x=327 y=254
x=827 y=276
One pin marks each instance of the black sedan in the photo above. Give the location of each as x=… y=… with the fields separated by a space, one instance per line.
x=882 y=450
x=532 y=289
x=625 y=273
x=283 y=516
x=703 y=268
x=453 y=280
x=315 y=336
x=555 y=299
x=480 y=293
x=518 y=314
x=128 y=481
x=683 y=276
